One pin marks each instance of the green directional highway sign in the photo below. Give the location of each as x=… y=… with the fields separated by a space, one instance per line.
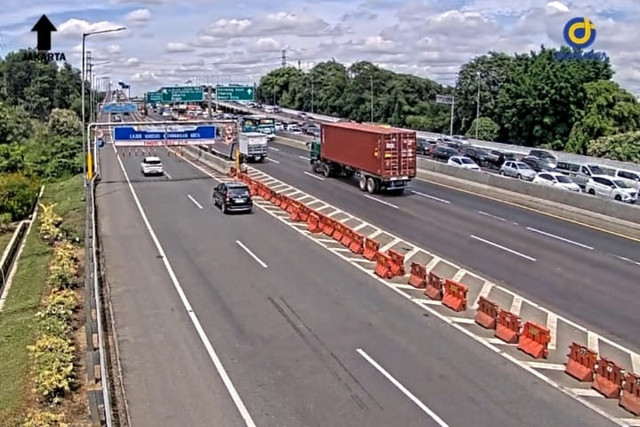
x=182 y=94
x=154 y=97
x=235 y=93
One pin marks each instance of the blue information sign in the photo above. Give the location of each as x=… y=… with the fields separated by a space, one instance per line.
x=114 y=107
x=137 y=136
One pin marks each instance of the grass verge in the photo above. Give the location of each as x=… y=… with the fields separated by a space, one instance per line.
x=5 y=238
x=17 y=321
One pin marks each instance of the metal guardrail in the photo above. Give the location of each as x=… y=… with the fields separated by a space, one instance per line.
x=98 y=390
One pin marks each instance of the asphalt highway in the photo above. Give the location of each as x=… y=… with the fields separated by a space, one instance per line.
x=587 y=275
x=305 y=339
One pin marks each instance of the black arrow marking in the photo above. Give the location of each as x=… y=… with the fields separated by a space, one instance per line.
x=44 y=27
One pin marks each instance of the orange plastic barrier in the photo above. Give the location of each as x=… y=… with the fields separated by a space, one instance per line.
x=418 y=276
x=253 y=188
x=608 y=378
x=347 y=236
x=232 y=170
x=371 y=247
x=508 y=327
x=397 y=263
x=487 y=313
x=455 y=295
x=534 y=340
x=278 y=199
x=294 y=211
x=338 y=231
x=272 y=196
x=383 y=262
x=313 y=222
x=357 y=243
x=328 y=225
x=434 y=286
x=630 y=398
x=304 y=211
x=582 y=362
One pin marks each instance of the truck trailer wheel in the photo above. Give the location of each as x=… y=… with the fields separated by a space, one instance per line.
x=362 y=182
x=326 y=171
x=372 y=185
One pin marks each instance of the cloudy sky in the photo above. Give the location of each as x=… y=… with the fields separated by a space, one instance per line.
x=171 y=42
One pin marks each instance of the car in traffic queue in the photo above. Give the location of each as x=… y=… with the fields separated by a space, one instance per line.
x=423 y=145
x=538 y=164
x=463 y=162
x=233 y=197
x=151 y=166
x=545 y=155
x=444 y=152
x=479 y=155
x=556 y=179
x=517 y=170
x=632 y=178
x=611 y=188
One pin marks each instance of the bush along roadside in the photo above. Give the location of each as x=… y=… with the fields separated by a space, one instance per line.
x=53 y=355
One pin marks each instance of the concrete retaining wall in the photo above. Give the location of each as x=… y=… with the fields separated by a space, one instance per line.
x=216 y=163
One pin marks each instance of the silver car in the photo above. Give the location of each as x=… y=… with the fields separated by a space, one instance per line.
x=518 y=170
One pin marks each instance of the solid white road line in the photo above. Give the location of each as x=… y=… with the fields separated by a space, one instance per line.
x=237 y=400
x=484 y=292
x=381 y=201
x=428 y=196
x=495 y=245
x=516 y=305
x=319 y=178
x=167 y=175
x=552 y=326
x=195 y=202
x=274 y=149
x=593 y=341
x=402 y=388
x=553 y=236
x=627 y=260
x=254 y=256
x=303 y=157
x=491 y=216
x=272 y=160
x=548 y=366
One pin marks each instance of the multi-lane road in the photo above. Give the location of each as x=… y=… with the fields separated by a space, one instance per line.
x=238 y=320
x=584 y=273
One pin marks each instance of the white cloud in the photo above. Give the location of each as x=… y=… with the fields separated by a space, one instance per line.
x=177 y=47
x=138 y=17
x=74 y=28
x=131 y=62
x=280 y=23
x=114 y=49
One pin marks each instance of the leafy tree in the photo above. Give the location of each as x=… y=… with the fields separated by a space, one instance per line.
x=14 y=124
x=624 y=147
x=487 y=129
x=64 y=123
x=17 y=195
x=608 y=110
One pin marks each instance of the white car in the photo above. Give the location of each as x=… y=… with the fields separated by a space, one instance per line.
x=151 y=166
x=556 y=179
x=294 y=129
x=518 y=170
x=463 y=162
x=279 y=127
x=613 y=188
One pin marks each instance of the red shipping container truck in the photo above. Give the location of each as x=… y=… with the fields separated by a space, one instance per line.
x=383 y=158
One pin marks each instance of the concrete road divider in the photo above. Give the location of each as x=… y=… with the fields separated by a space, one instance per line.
x=455 y=295
x=581 y=363
x=487 y=313
x=608 y=378
x=418 y=276
x=214 y=162
x=630 y=398
x=508 y=327
x=434 y=289
x=534 y=340
x=371 y=247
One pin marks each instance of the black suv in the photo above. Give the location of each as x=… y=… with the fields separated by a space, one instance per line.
x=233 y=197
x=538 y=164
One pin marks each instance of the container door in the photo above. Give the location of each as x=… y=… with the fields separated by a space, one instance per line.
x=400 y=155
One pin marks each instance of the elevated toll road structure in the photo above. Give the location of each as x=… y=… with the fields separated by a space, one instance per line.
x=563 y=330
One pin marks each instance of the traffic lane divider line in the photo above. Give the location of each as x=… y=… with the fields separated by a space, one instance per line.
x=627 y=260
x=251 y=254
x=384 y=202
x=319 y=178
x=562 y=239
x=402 y=388
x=273 y=160
x=213 y=355
x=487 y=342
x=428 y=196
x=492 y=216
x=195 y=202
x=504 y=248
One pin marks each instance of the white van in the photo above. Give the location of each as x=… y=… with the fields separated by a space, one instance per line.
x=631 y=178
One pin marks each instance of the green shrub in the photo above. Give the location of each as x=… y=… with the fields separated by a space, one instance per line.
x=17 y=195
x=64 y=267
x=54 y=326
x=45 y=419
x=49 y=223
x=55 y=318
x=53 y=364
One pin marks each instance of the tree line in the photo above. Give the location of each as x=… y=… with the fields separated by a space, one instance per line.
x=548 y=98
x=40 y=129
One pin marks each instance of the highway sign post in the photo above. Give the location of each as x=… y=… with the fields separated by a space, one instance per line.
x=448 y=100
x=154 y=135
x=119 y=108
x=182 y=94
x=154 y=97
x=235 y=93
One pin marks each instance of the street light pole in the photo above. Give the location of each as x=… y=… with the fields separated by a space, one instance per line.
x=478 y=105
x=371 y=76
x=85 y=143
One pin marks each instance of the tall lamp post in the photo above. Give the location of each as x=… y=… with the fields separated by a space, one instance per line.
x=85 y=144
x=478 y=105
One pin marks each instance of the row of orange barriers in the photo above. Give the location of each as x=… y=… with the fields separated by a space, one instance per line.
x=607 y=377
